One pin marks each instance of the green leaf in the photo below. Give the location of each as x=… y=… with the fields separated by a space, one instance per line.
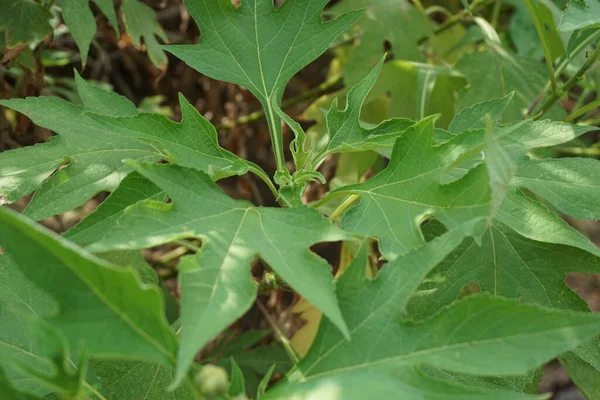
x=21 y=300
x=238 y=386
x=579 y=15
x=141 y=23
x=569 y=184
x=67 y=377
x=583 y=367
x=94 y=146
x=509 y=265
x=82 y=24
x=22 y=21
x=217 y=287
x=102 y=301
x=395 y=202
x=132 y=258
x=476 y=116
x=396 y=22
x=533 y=220
x=344 y=130
x=494 y=73
x=528 y=383
x=8 y=391
x=134 y=188
x=260 y=47
x=417 y=90
x=462 y=338
x=99 y=101
x=524 y=35
x=131 y=380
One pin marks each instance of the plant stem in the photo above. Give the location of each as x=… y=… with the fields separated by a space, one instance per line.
x=456 y=18
x=564 y=62
x=193 y=388
x=188 y=245
x=419 y=6
x=541 y=31
x=327 y=198
x=496 y=13
x=257 y=115
x=287 y=345
x=94 y=391
x=570 y=83
x=265 y=178
x=166 y=258
x=344 y=206
x=580 y=151
x=591 y=122
x=582 y=111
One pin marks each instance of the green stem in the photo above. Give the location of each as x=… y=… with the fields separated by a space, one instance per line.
x=344 y=206
x=328 y=197
x=591 y=122
x=562 y=65
x=185 y=243
x=287 y=345
x=166 y=258
x=570 y=83
x=193 y=388
x=456 y=18
x=307 y=95
x=256 y=170
x=580 y=151
x=541 y=31
x=496 y=13
x=582 y=111
x=94 y=391
x=419 y=6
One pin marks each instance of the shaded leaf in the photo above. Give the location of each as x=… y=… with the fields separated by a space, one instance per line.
x=494 y=73
x=82 y=24
x=569 y=184
x=131 y=380
x=102 y=302
x=133 y=188
x=395 y=22
x=141 y=23
x=22 y=21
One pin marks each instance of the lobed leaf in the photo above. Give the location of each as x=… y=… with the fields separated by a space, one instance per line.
x=95 y=145
x=395 y=202
x=260 y=47
x=217 y=287
x=461 y=338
